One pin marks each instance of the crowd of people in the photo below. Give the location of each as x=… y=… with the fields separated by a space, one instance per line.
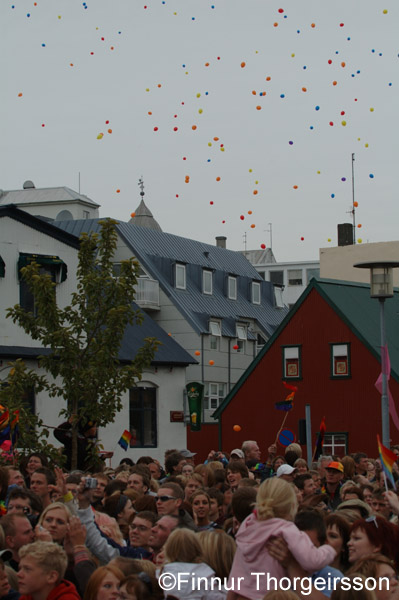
x=234 y=527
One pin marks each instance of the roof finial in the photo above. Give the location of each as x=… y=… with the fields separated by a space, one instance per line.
x=141 y=184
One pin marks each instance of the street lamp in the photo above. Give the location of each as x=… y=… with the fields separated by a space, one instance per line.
x=381 y=287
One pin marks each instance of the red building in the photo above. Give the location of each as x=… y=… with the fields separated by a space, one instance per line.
x=328 y=346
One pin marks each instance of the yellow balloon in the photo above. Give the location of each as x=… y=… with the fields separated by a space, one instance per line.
x=359 y=241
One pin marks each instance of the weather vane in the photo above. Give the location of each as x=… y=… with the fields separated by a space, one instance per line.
x=141 y=185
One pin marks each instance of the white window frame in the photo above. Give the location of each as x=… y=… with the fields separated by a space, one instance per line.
x=214 y=392
x=215 y=328
x=241 y=332
x=256 y=296
x=340 y=351
x=207 y=282
x=180 y=268
x=278 y=296
x=232 y=287
x=333 y=445
x=213 y=342
x=292 y=353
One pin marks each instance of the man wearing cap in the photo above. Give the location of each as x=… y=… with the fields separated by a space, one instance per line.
x=237 y=455
x=334 y=475
x=286 y=472
x=189 y=456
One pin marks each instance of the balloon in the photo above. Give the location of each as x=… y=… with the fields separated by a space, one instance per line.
x=242 y=65
x=211 y=362
x=242 y=217
x=237 y=428
x=295 y=187
x=235 y=347
x=118 y=191
x=217 y=178
x=359 y=241
x=253 y=226
x=255 y=192
x=193 y=127
x=343 y=123
x=263 y=246
x=371 y=176
x=329 y=240
x=155 y=128
x=258 y=107
x=304 y=89
x=133 y=214
x=302 y=238
x=359 y=225
x=197 y=353
x=100 y=136
x=356 y=204
x=20 y=95
x=250 y=212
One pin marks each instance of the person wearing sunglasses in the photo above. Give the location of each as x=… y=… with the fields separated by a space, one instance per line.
x=372 y=535
x=169 y=500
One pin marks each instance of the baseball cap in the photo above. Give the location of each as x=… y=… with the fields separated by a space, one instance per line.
x=237 y=452
x=335 y=465
x=285 y=470
x=186 y=453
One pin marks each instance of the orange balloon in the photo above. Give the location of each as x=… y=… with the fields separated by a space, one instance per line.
x=242 y=65
x=197 y=353
x=133 y=214
x=258 y=107
x=237 y=428
x=211 y=362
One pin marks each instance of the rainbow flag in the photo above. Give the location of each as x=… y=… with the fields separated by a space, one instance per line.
x=387 y=458
x=125 y=439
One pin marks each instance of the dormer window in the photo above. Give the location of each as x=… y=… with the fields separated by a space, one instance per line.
x=255 y=292
x=241 y=332
x=232 y=288
x=215 y=328
x=207 y=286
x=180 y=276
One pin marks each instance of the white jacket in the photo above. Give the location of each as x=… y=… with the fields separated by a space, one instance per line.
x=182 y=580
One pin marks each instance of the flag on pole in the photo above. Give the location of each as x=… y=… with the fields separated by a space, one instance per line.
x=388 y=459
x=287 y=403
x=125 y=439
x=318 y=451
x=378 y=385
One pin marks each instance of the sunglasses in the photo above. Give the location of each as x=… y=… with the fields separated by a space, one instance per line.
x=164 y=498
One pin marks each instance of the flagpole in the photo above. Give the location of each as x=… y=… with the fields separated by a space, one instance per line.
x=282 y=425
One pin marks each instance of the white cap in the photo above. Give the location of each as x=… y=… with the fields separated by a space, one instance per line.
x=285 y=470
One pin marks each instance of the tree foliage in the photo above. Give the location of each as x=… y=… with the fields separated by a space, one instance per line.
x=85 y=336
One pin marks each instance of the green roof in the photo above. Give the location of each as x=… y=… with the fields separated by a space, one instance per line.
x=353 y=304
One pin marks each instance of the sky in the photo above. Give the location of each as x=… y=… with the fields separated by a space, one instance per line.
x=241 y=116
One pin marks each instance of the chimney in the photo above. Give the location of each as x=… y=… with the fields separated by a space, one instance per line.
x=221 y=241
x=345 y=234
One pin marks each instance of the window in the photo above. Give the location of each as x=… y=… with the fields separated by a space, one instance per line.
x=335 y=443
x=86 y=214
x=294 y=276
x=207 y=282
x=213 y=342
x=255 y=292
x=143 y=417
x=292 y=362
x=262 y=274
x=276 y=277
x=213 y=396
x=340 y=360
x=180 y=276
x=232 y=288
x=312 y=273
x=241 y=332
x=278 y=297
x=240 y=346
x=52 y=265
x=215 y=328
x=260 y=342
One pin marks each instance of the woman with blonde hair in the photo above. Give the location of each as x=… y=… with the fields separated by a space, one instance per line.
x=183 y=554
x=218 y=550
x=55 y=519
x=275 y=509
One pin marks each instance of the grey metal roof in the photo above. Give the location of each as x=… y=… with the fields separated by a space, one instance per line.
x=144 y=217
x=42 y=195
x=169 y=351
x=158 y=252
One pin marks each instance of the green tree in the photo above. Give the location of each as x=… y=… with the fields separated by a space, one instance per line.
x=85 y=336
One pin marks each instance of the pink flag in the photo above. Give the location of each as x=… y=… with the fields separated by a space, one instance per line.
x=378 y=385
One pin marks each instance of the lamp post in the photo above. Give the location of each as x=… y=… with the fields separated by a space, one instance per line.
x=381 y=287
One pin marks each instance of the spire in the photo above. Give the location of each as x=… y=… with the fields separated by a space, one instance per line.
x=143 y=216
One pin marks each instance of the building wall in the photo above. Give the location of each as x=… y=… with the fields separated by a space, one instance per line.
x=337 y=263
x=349 y=405
x=15 y=238
x=291 y=292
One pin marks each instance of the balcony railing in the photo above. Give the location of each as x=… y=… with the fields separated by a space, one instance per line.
x=147 y=293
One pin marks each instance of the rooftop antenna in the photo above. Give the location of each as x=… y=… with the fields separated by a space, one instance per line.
x=353 y=198
x=245 y=240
